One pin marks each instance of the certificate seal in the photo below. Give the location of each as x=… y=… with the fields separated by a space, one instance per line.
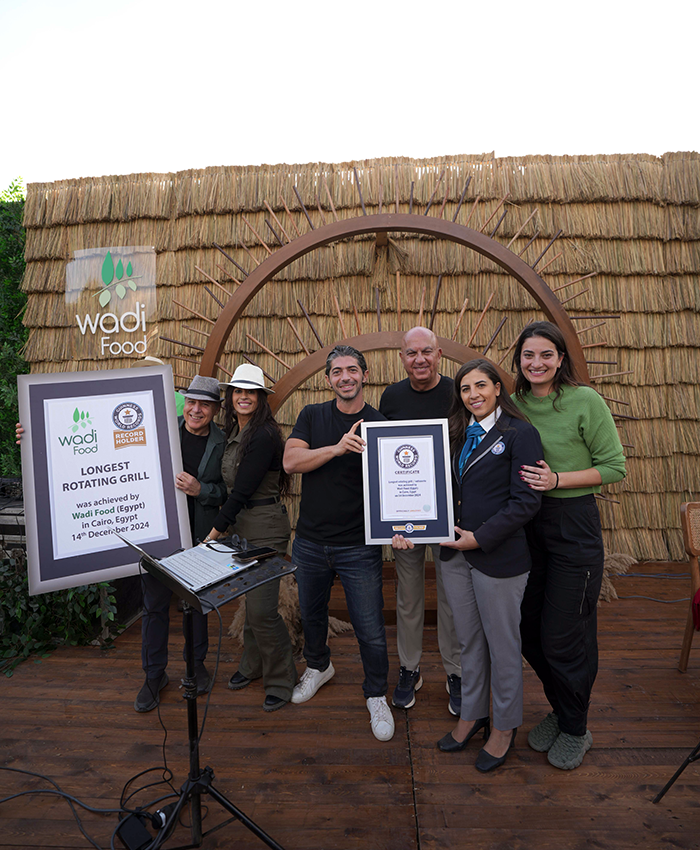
x=498 y=449
x=127 y=416
x=409 y=528
x=406 y=456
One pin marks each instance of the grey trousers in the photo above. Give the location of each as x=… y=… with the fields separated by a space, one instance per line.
x=487 y=619
x=410 y=611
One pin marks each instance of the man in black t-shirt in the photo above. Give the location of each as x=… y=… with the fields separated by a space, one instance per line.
x=325 y=447
x=424 y=394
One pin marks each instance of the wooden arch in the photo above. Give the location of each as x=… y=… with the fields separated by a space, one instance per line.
x=385 y=223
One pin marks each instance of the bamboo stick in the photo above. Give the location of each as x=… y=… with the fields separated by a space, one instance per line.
x=461 y=198
x=606 y=498
x=572 y=282
x=420 y=311
x=340 y=316
x=459 y=320
x=508 y=350
x=259 y=237
x=249 y=253
x=444 y=200
x=576 y=295
x=267 y=351
x=495 y=334
x=179 y=342
x=522 y=227
x=195 y=330
x=602 y=343
x=294 y=224
x=297 y=335
x=398 y=301
x=435 y=301
x=194 y=312
x=471 y=212
x=590 y=328
x=184 y=378
x=439 y=180
x=357 y=320
x=481 y=318
x=279 y=223
x=223 y=288
x=498 y=223
x=615 y=400
x=500 y=204
x=379 y=312
x=359 y=190
x=330 y=199
x=627 y=445
x=210 y=278
x=184 y=357
x=537 y=233
x=549 y=245
x=549 y=263
x=226 y=371
x=220 y=303
x=311 y=324
x=613 y=375
x=274 y=233
x=320 y=211
x=250 y=360
x=303 y=209
x=230 y=258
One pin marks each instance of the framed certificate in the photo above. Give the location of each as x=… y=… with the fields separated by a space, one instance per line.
x=99 y=454
x=407 y=481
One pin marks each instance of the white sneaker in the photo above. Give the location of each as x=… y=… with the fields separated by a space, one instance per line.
x=381 y=718
x=311 y=680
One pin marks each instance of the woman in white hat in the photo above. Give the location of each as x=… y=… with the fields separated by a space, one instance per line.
x=253 y=473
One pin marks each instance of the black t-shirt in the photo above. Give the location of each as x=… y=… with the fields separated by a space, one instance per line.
x=193 y=447
x=332 y=512
x=401 y=401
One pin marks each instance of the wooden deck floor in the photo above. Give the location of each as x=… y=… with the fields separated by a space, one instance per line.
x=314 y=777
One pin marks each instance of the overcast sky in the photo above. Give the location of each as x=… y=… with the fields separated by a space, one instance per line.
x=92 y=88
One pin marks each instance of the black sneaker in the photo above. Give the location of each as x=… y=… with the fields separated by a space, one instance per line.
x=410 y=681
x=149 y=695
x=454 y=689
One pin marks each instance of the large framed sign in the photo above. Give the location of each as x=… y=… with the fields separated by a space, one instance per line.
x=100 y=453
x=407 y=481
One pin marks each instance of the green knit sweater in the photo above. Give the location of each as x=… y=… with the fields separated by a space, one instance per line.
x=578 y=433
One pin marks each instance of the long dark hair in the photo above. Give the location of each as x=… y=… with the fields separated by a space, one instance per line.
x=563 y=375
x=459 y=416
x=262 y=418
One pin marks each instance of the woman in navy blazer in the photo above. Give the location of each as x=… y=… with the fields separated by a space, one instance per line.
x=485 y=569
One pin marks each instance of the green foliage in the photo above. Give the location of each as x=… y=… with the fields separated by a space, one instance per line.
x=12 y=333
x=33 y=626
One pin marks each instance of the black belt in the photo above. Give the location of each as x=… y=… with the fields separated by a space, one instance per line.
x=258 y=503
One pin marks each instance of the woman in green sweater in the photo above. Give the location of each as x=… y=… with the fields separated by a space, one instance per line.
x=581 y=451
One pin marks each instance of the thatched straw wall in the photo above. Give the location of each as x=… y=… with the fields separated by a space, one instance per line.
x=634 y=220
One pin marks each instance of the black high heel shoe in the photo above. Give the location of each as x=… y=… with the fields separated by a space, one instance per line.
x=485 y=761
x=449 y=745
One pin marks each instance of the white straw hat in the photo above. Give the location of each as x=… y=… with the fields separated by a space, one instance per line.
x=247 y=377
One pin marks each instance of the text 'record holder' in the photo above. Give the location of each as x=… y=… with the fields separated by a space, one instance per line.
x=407 y=481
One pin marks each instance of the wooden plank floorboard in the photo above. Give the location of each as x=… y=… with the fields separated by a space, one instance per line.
x=314 y=777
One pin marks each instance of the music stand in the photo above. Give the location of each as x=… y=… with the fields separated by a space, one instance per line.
x=202 y=781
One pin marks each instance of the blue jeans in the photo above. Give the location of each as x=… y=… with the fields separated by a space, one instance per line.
x=360 y=571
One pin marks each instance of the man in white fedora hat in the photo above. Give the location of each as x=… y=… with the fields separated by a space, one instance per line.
x=202 y=444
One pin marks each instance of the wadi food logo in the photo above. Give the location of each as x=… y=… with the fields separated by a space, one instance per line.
x=406 y=456
x=128 y=418
x=81 y=441
x=116 y=283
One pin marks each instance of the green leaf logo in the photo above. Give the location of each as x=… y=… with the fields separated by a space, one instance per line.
x=120 y=270
x=76 y=415
x=105 y=297
x=108 y=270
x=129 y=270
x=131 y=285
x=120 y=289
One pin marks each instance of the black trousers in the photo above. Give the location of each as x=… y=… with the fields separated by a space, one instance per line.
x=559 y=615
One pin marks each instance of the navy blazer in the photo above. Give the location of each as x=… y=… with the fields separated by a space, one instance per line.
x=492 y=501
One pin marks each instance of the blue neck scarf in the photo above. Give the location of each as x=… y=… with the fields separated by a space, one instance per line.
x=473 y=436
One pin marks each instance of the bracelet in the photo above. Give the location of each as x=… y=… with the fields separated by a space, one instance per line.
x=557 y=484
